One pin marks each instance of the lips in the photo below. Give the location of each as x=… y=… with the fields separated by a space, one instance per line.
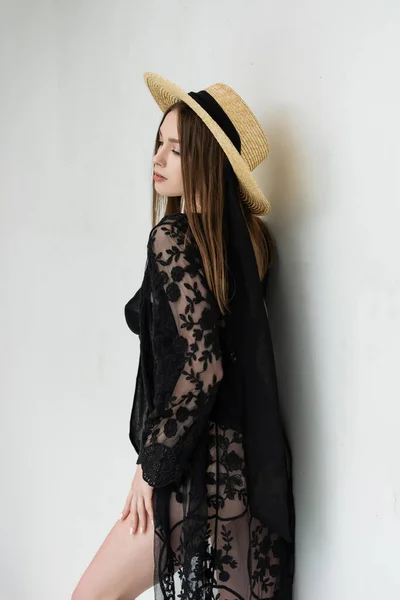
x=158 y=175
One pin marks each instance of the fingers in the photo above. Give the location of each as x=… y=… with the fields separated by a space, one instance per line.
x=134 y=516
x=149 y=507
x=142 y=515
x=141 y=510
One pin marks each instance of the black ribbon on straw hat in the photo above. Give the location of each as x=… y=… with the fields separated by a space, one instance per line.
x=267 y=453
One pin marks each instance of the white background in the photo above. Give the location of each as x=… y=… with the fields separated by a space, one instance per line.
x=77 y=126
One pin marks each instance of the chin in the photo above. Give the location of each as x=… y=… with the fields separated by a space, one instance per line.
x=163 y=187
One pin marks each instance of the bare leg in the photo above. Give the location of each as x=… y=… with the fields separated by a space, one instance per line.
x=122 y=568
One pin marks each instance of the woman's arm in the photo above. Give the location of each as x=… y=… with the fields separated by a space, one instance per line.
x=171 y=433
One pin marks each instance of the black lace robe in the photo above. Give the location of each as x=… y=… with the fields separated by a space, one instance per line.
x=187 y=430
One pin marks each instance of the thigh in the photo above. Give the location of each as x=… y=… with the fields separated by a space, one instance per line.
x=122 y=568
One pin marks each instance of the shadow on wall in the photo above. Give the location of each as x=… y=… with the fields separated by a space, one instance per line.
x=286 y=177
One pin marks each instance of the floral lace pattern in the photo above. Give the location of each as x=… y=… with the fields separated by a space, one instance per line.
x=177 y=280
x=221 y=551
x=207 y=544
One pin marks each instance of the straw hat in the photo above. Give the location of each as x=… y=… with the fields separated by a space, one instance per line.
x=254 y=144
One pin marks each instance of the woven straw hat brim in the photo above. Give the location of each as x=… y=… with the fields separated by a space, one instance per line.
x=166 y=93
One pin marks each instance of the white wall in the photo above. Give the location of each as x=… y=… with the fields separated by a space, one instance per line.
x=77 y=126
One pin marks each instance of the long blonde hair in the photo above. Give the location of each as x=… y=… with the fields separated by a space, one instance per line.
x=202 y=156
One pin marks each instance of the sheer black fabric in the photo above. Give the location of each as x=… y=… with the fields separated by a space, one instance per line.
x=268 y=456
x=187 y=428
x=189 y=348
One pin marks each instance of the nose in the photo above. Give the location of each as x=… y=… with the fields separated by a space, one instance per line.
x=159 y=157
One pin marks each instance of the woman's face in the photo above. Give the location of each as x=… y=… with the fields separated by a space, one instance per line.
x=167 y=160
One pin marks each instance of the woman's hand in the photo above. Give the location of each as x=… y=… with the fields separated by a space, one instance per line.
x=139 y=503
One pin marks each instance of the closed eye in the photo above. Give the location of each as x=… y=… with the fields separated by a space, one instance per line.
x=174 y=151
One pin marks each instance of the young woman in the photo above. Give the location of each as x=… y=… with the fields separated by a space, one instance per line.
x=210 y=512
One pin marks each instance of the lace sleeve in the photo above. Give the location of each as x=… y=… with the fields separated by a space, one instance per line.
x=178 y=284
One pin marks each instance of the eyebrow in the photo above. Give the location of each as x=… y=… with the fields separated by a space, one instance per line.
x=174 y=140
